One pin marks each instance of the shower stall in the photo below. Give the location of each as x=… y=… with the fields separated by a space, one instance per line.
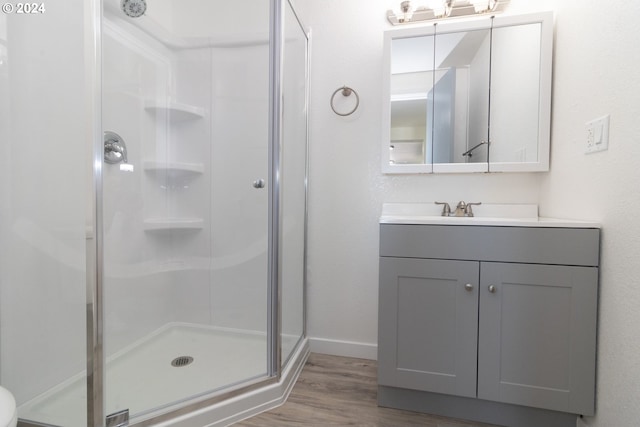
x=153 y=182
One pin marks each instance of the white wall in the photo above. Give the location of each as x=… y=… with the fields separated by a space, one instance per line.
x=596 y=59
x=193 y=18
x=596 y=73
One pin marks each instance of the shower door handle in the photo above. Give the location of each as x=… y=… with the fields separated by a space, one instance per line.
x=258 y=183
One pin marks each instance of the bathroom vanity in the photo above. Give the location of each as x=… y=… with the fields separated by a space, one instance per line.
x=488 y=319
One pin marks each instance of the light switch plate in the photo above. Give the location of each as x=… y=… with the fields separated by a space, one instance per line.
x=597 y=134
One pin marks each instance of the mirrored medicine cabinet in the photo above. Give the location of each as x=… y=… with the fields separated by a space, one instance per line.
x=468 y=95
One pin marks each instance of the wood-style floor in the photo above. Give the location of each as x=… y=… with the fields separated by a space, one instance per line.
x=341 y=391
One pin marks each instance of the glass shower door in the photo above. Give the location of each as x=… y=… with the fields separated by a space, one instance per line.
x=45 y=226
x=186 y=100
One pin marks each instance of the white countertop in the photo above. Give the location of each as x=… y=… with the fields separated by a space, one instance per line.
x=500 y=215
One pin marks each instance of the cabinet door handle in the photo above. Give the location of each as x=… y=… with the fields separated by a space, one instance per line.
x=492 y=289
x=468 y=287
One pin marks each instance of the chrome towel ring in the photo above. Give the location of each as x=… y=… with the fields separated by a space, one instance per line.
x=346 y=91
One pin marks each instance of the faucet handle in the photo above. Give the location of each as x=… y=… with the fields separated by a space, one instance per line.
x=468 y=211
x=446 y=209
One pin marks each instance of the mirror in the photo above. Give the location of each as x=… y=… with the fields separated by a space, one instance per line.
x=460 y=115
x=411 y=81
x=515 y=74
x=470 y=96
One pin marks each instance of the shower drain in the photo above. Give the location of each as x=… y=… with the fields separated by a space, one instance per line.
x=181 y=361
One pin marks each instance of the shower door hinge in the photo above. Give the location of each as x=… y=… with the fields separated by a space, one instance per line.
x=118 y=419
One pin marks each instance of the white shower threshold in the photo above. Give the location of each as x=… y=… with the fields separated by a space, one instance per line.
x=141 y=378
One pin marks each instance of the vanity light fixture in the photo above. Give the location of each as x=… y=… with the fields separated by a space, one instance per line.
x=443 y=9
x=407 y=11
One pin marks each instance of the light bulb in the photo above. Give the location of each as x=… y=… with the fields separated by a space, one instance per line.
x=407 y=11
x=481 y=5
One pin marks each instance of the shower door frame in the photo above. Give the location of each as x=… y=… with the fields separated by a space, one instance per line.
x=95 y=256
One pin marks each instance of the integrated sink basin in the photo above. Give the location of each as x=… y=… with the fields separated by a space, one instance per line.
x=494 y=214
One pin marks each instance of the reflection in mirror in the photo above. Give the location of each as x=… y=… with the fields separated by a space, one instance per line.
x=461 y=95
x=408 y=131
x=515 y=125
x=411 y=80
x=439 y=98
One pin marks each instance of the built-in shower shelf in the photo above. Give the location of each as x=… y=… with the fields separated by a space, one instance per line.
x=175 y=111
x=174 y=170
x=159 y=225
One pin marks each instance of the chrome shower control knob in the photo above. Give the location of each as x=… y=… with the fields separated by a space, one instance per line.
x=133 y=8
x=115 y=150
x=258 y=183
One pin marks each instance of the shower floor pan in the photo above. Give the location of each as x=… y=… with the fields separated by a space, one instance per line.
x=142 y=377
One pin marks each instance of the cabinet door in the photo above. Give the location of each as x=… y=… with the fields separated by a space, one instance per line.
x=428 y=321
x=537 y=336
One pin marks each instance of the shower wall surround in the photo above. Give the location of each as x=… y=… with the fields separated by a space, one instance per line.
x=173 y=226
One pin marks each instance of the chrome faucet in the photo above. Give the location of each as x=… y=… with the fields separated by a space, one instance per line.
x=462 y=209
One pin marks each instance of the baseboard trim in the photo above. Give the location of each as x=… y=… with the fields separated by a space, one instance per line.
x=343 y=348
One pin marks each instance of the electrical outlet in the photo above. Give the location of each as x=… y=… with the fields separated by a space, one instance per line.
x=597 y=134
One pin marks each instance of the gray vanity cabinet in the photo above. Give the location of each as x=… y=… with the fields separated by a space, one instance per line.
x=538 y=331
x=502 y=315
x=429 y=325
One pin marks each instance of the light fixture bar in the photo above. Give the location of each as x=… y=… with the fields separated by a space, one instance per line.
x=448 y=9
